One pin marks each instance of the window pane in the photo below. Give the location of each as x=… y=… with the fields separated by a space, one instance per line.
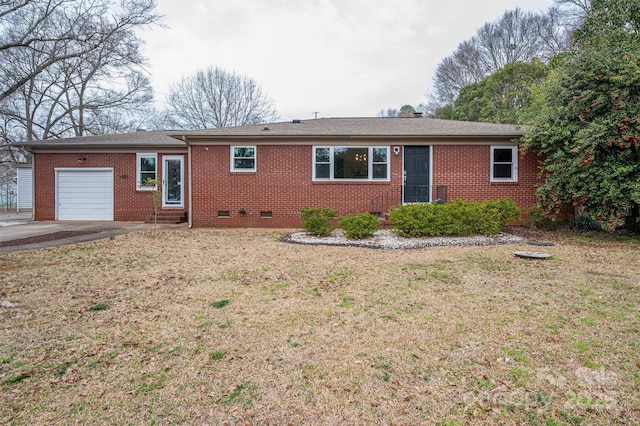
x=147 y=164
x=502 y=155
x=350 y=163
x=244 y=163
x=322 y=155
x=502 y=170
x=379 y=171
x=380 y=155
x=244 y=152
x=322 y=171
x=144 y=177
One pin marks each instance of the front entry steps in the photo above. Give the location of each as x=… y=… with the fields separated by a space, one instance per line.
x=167 y=216
x=383 y=218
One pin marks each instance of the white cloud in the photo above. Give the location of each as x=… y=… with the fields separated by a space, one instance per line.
x=338 y=57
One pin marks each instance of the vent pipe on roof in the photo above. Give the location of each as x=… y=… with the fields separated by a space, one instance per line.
x=296 y=121
x=417 y=115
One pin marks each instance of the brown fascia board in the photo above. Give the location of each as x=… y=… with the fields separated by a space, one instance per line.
x=103 y=149
x=108 y=150
x=60 y=146
x=350 y=139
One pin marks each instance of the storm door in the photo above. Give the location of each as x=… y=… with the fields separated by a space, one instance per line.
x=417 y=175
x=172 y=177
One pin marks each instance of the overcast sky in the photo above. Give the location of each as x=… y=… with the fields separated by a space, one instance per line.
x=340 y=58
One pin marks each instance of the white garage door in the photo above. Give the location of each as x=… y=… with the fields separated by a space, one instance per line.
x=84 y=194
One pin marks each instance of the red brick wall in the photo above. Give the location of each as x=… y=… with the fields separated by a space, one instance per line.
x=130 y=204
x=466 y=171
x=282 y=184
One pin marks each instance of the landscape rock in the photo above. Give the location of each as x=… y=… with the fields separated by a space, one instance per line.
x=386 y=239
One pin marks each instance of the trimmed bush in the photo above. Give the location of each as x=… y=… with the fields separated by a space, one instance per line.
x=497 y=213
x=455 y=218
x=359 y=226
x=317 y=220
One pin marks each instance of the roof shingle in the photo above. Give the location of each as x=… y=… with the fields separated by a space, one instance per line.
x=414 y=128
x=374 y=126
x=152 y=138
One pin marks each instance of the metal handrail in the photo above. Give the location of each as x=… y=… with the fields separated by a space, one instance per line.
x=396 y=196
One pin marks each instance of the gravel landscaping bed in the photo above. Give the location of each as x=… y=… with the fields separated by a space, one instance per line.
x=386 y=239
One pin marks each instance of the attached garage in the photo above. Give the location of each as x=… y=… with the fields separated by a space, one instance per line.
x=84 y=194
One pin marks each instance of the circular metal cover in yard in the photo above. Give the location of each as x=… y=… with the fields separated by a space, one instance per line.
x=532 y=254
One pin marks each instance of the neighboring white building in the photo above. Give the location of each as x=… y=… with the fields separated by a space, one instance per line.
x=24 y=176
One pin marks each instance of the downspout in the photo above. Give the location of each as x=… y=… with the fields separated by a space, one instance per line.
x=190 y=178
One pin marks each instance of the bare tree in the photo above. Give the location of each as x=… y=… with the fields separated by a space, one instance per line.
x=217 y=98
x=389 y=112
x=69 y=68
x=555 y=29
x=578 y=8
x=68 y=64
x=463 y=67
x=58 y=30
x=516 y=37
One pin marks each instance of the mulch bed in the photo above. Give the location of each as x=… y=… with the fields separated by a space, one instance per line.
x=45 y=238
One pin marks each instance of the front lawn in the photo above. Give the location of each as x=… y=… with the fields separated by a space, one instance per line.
x=237 y=327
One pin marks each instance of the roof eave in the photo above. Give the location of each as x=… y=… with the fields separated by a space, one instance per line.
x=297 y=139
x=37 y=146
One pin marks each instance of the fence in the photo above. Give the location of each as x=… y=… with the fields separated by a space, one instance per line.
x=8 y=196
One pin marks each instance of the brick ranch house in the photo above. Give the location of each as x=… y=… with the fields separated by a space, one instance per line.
x=263 y=175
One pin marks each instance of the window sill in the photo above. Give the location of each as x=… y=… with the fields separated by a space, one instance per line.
x=351 y=182
x=503 y=182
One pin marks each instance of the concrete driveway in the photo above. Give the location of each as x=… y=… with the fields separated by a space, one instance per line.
x=17 y=226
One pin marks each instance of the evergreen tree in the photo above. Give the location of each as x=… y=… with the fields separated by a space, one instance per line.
x=588 y=127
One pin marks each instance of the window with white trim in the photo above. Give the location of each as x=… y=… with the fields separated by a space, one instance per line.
x=146 y=171
x=350 y=163
x=243 y=158
x=504 y=163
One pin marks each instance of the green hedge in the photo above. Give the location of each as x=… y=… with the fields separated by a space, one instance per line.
x=317 y=220
x=455 y=218
x=359 y=226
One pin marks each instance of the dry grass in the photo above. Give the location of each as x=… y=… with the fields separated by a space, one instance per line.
x=236 y=327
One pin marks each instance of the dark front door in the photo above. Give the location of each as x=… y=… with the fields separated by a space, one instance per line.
x=416 y=174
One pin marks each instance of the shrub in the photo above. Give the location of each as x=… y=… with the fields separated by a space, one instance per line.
x=317 y=221
x=506 y=210
x=455 y=218
x=584 y=223
x=359 y=226
x=538 y=220
x=497 y=213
